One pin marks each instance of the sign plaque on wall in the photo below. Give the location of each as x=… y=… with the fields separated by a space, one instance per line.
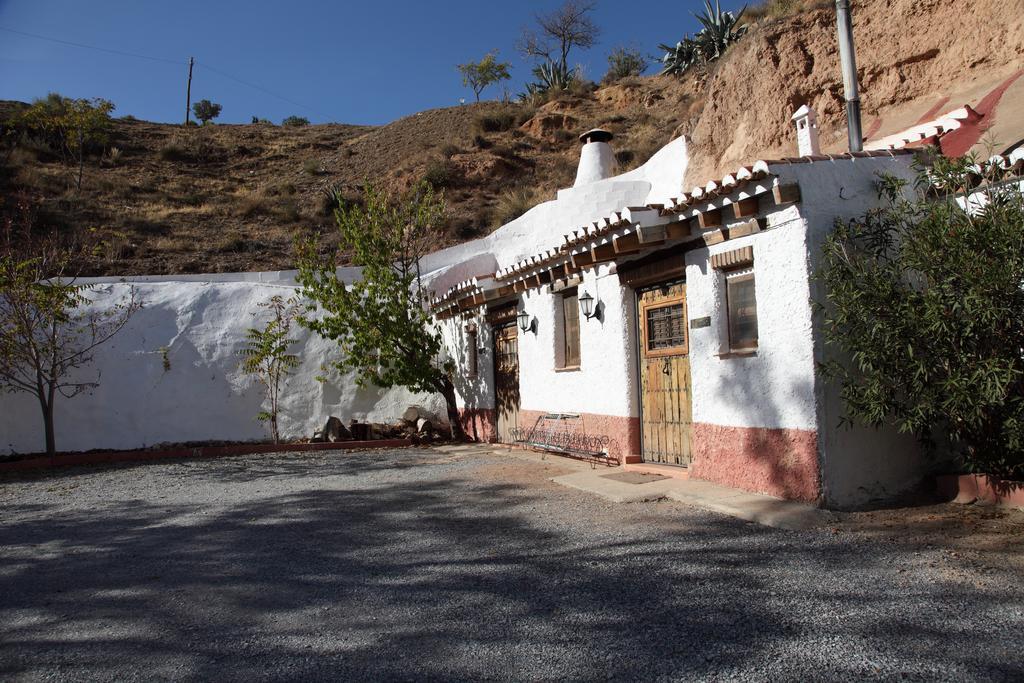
x=698 y=323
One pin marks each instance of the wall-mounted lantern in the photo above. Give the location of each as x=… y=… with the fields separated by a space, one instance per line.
x=525 y=323
x=588 y=307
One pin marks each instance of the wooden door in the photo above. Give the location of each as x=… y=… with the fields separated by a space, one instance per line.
x=506 y=381
x=665 y=416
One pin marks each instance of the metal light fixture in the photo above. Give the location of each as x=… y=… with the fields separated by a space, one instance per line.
x=587 y=306
x=525 y=323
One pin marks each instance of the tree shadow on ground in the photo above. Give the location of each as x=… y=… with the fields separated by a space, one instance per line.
x=457 y=577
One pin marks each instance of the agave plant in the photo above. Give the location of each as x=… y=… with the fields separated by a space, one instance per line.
x=721 y=29
x=553 y=76
x=679 y=58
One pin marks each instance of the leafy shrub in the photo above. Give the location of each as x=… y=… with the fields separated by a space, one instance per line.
x=441 y=173
x=512 y=204
x=311 y=167
x=206 y=111
x=295 y=121
x=924 y=305
x=495 y=122
x=448 y=151
x=193 y=146
x=624 y=157
x=624 y=63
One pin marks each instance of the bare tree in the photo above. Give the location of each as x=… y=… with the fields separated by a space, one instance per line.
x=560 y=31
x=49 y=326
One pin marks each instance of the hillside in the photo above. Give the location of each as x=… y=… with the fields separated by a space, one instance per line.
x=232 y=197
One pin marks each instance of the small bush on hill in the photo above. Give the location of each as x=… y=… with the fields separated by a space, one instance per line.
x=193 y=147
x=624 y=63
x=295 y=121
x=512 y=204
x=495 y=122
x=311 y=167
x=441 y=173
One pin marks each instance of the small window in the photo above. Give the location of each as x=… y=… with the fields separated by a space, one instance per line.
x=666 y=327
x=570 y=315
x=742 y=309
x=471 y=351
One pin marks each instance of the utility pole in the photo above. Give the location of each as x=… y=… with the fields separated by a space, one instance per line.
x=188 y=89
x=849 y=64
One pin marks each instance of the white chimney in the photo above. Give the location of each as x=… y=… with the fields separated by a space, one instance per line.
x=597 y=161
x=807 y=131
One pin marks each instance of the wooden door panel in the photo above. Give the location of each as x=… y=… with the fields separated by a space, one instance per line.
x=506 y=381
x=664 y=374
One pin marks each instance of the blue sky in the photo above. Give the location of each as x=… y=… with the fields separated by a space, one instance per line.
x=365 y=62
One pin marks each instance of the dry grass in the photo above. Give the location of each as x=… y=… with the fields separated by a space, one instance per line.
x=780 y=9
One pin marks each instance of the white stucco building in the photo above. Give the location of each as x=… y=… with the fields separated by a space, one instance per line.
x=666 y=328
x=701 y=349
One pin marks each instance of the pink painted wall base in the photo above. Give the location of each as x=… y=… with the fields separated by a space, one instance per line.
x=777 y=462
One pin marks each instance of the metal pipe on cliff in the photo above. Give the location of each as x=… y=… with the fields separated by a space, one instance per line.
x=849 y=64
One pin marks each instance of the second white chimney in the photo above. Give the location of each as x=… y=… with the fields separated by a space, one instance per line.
x=807 y=131
x=597 y=161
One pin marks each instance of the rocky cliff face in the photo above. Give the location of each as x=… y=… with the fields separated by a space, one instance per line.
x=915 y=58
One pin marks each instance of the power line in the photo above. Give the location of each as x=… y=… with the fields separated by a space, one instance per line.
x=261 y=89
x=166 y=61
x=91 y=47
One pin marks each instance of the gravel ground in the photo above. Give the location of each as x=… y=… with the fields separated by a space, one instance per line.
x=421 y=564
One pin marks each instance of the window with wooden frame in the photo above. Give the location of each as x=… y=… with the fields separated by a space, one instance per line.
x=472 y=352
x=569 y=319
x=741 y=308
x=663 y=323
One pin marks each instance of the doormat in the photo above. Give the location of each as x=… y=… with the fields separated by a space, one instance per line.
x=634 y=477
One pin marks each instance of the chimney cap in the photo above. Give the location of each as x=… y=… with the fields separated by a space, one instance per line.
x=803 y=111
x=596 y=135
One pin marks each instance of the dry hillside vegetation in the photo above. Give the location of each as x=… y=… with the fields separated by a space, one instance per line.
x=233 y=197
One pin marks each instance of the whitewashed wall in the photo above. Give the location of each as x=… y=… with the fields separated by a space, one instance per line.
x=543 y=225
x=203 y=395
x=860 y=464
x=605 y=381
x=774 y=387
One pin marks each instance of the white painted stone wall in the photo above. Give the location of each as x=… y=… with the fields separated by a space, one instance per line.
x=203 y=396
x=774 y=387
x=860 y=464
x=605 y=381
x=543 y=225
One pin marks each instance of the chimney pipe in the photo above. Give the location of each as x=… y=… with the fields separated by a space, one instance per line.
x=849 y=64
x=597 y=161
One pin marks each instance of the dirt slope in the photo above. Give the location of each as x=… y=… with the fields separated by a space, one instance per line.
x=233 y=197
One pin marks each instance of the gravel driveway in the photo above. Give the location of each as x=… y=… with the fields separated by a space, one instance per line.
x=423 y=564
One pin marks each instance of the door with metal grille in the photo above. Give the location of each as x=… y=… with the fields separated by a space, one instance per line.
x=665 y=415
x=506 y=381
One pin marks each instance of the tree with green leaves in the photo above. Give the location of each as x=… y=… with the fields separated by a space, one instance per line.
x=924 y=306
x=384 y=331
x=479 y=75
x=205 y=110
x=266 y=355
x=295 y=122
x=75 y=127
x=50 y=325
